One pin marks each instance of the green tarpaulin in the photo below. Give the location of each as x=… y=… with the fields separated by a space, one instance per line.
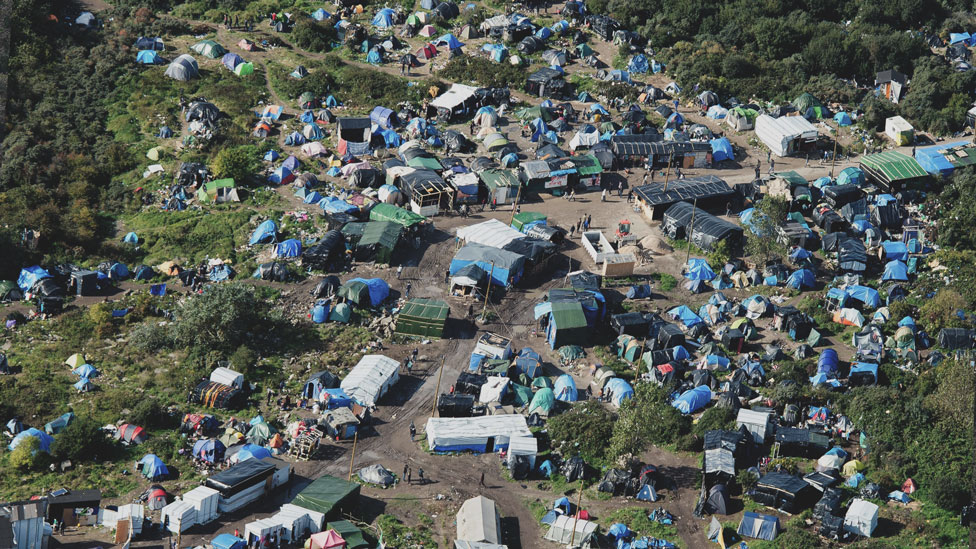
x=379 y=238
x=329 y=495
x=793 y=178
x=523 y=394
x=396 y=214
x=423 y=317
x=349 y=532
x=569 y=322
x=495 y=178
x=542 y=401
x=354 y=231
x=892 y=167
x=542 y=383
x=806 y=101
x=522 y=219
x=495 y=366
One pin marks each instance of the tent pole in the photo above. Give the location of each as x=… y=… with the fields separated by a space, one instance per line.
x=579 y=503
x=667 y=176
x=691 y=230
x=437 y=389
x=488 y=291
x=833 y=157
x=518 y=195
x=352 y=460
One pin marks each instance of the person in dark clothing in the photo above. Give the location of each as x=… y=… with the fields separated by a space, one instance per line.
x=482 y=482
x=420 y=475
x=413 y=431
x=406 y=468
x=470 y=310
x=447 y=276
x=589 y=220
x=407 y=292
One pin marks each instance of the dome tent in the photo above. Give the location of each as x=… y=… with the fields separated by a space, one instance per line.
x=183 y=68
x=209 y=48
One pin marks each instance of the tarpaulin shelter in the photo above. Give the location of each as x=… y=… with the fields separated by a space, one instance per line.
x=266 y=232
x=365 y=292
x=785 y=135
x=693 y=400
x=353 y=134
x=371 y=378
x=327 y=253
x=683 y=221
x=423 y=317
x=895 y=270
x=329 y=495
x=484 y=434
x=722 y=149
x=43 y=439
x=754 y=525
x=288 y=248
x=893 y=170
x=861 y=518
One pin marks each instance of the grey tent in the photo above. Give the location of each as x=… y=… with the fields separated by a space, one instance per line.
x=717 y=502
x=183 y=68
x=376 y=474
x=271 y=271
x=754 y=525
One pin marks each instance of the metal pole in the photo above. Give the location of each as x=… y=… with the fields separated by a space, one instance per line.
x=179 y=532
x=488 y=291
x=518 y=196
x=352 y=460
x=667 y=176
x=834 y=157
x=691 y=229
x=579 y=504
x=437 y=389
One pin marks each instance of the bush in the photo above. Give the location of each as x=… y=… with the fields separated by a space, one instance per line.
x=647 y=418
x=150 y=414
x=81 y=440
x=151 y=337
x=714 y=419
x=312 y=35
x=225 y=317
x=584 y=430
x=238 y=163
x=946 y=492
x=746 y=480
x=483 y=71
x=25 y=455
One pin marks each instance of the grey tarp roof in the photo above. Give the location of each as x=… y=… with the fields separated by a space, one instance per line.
x=706 y=186
x=478 y=252
x=707 y=229
x=658 y=148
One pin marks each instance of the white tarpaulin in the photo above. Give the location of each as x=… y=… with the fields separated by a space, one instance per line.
x=294 y=520
x=371 y=378
x=782 y=135
x=456 y=95
x=477 y=520
x=494 y=389
x=205 y=500
x=228 y=377
x=447 y=434
x=861 y=518
x=561 y=531
x=492 y=233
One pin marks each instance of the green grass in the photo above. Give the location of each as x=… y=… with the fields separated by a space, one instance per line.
x=666 y=282
x=636 y=519
x=190 y=235
x=537 y=508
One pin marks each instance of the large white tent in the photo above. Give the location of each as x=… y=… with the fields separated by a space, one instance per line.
x=561 y=531
x=371 y=378
x=785 y=135
x=492 y=233
x=477 y=520
x=861 y=518
x=476 y=434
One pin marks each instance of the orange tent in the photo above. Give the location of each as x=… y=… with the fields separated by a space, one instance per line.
x=326 y=540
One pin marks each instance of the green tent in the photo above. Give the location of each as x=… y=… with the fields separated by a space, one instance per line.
x=571 y=352
x=306 y=97
x=350 y=533
x=423 y=317
x=522 y=219
x=355 y=291
x=329 y=495
x=523 y=394
x=542 y=382
x=396 y=214
x=353 y=232
x=495 y=366
x=220 y=190
x=379 y=238
x=532 y=113
x=542 y=402
x=244 y=69
x=583 y=50
x=209 y=48
x=807 y=101
x=628 y=347
x=425 y=163
x=9 y=291
x=569 y=323
x=260 y=433
x=341 y=313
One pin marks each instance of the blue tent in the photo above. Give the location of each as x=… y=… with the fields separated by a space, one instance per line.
x=29 y=276
x=320 y=15
x=228 y=541
x=83 y=385
x=862 y=226
x=153 y=468
x=685 y=315
x=699 y=269
x=281 y=176
x=231 y=60
x=619 y=390
x=379 y=290
x=907 y=321
x=313 y=132
x=374 y=57
x=638 y=291
x=895 y=270
x=313 y=198
x=899 y=496
x=679 y=353
x=289 y=248
x=265 y=233
x=382 y=116
x=543 y=33
x=118 y=271
x=722 y=150
x=165 y=132
x=219 y=273
x=320 y=312
x=547 y=468
x=674 y=120
x=565 y=388
x=619 y=531
x=956 y=37
x=850 y=176
x=827 y=363
x=802 y=278
x=696 y=286
x=715 y=362
x=336 y=398
x=148 y=57
x=131 y=238
x=144 y=272
x=597 y=108
x=693 y=400
x=799 y=254
x=391 y=138
x=559 y=27
x=85 y=370
x=895 y=250
x=293 y=139
x=252 y=451
x=647 y=493
x=383 y=18
x=866 y=295
x=754 y=525
x=842 y=119
x=856 y=480
x=209 y=450
x=867 y=371
x=638 y=64
x=529 y=362
x=334 y=204
x=307 y=116
x=448 y=40
x=43 y=438
x=331 y=101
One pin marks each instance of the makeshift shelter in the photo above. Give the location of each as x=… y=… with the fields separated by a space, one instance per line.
x=477 y=434
x=478 y=521
x=423 y=317
x=371 y=378
x=861 y=518
x=566 y=529
x=786 y=135
x=893 y=171
x=693 y=400
x=754 y=525
x=899 y=130
x=365 y=292
x=329 y=495
x=353 y=135
x=783 y=491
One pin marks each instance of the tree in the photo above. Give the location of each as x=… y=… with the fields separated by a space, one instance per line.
x=769 y=216
x=237 y=163
x=647 y=418
x=313 y=36
x=223 y=318
x=24 y=456
x=81 y=440
x=584 y=430
x=714 y=419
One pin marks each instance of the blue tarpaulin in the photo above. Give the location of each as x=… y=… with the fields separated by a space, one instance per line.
x=722 y=150
x=800 y=279
x=866 y=295
x=895 y=270
x=827 y=363
x=265 y=233
x=619 y=390
x=699 y=269
x=565 y=388
x=158 y=290
x=685 y=315
x=289 y=248
x=42 y=437
x=29 y=276
x=895 y=250
x=638 y=64
x=383 y=18
x=693 y=400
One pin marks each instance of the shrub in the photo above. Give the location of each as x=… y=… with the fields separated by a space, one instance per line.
x=484 y=71
x=647 y=418
x=238 y=163
x=81 y=440
x=746 y=480
x=151 y=337
x=24 y=456
x=714 y=419
x=150 y=414
x=583 y=430
x=312 y=35
x=222 y=318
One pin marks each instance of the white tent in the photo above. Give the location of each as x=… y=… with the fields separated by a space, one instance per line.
x=861 y=518
x=759 y=424
x=830 y=461
x=477 y=520
x=453 y=97
x=584 y=138
x=261 y=528
x=524 y=446
x=476 y=434
x=492 y=233
x=561 y=531
x=228 y=377
x=314 y=148
x=294 y=521
x=371 y=378
x=786 y=134
x=183 y=68
x=204 y=500
x=494 y=389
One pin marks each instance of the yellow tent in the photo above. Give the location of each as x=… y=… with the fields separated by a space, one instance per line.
x=153 y=153
x=852 y=467
x=76 y=360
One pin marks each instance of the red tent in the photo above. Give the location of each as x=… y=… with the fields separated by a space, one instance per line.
x=132 y=434
x=909 y=486
x=427 y=51
x=156 y=497
x=327 y=540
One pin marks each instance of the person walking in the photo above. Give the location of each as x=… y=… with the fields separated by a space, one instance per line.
x=413 y=431
x=406 y=469
x=769 y=155
x=603 y=196
x=620 y=189
x=482 y=481
x=572 y=229
x=270 y=396
x=447 y=276
x=409 y=474
x=579 y=224
x=399 y=271
x=644 y=180
x=406 y=294
x=403 y=68
x=420 y=475
x=757 y=170
x=589 y=220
